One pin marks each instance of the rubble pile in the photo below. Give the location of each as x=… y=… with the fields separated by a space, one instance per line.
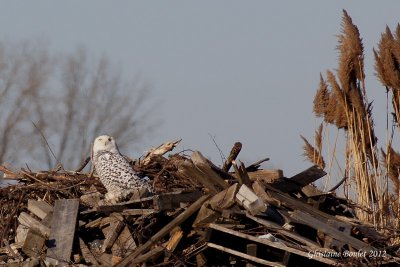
x=200 y=215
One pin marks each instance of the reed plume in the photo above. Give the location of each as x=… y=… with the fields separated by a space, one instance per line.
x=313 y=154
x=391 y=161
x=342 y=101
x=387 y=66
x=321 y=98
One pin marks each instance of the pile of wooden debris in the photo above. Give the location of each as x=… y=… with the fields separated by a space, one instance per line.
x=201 y=215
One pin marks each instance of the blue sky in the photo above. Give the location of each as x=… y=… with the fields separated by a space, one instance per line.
x=230 y=70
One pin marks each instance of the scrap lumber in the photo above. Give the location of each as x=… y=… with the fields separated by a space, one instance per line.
x=164 y=231
x=28 y=221
x=111 y=234
x=152 y=253
x=267 y=242
x=333 y=232
x=188 y=169
x=249 y=200
x=241 y=174
x=200 y=214
x=173 y=242
x=159 y=151
x=232 y=156
x=62 y=231
x=298 y=181
x=259 y=189
x=280 y=230
x=244 y=255
x=267 y=176
x=39 y=208
x=256 y=165
x=173 y=200
x=203 y=165
x=213 y=208
x=124 y=243
x=251 y=250
x=87 y=254
x=33 y=244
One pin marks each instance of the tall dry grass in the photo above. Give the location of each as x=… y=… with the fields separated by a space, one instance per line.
x=341 y=102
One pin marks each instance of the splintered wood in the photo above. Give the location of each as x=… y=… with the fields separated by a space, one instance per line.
x=200 y=215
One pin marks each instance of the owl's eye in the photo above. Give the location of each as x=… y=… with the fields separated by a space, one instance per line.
x=100 y=139
x=109 y=139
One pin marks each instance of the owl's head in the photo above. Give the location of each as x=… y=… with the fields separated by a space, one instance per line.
x=105 y=142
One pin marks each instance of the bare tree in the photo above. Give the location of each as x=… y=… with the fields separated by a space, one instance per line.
x=24 y=71
x=50 y=106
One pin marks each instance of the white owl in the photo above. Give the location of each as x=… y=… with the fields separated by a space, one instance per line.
x=114 y=170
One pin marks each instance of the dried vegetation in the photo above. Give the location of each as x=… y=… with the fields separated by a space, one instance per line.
x=372 y=181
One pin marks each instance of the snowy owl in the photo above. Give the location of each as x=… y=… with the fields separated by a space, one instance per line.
x=114 y=170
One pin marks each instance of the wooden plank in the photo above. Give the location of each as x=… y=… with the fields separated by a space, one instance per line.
x=244 y=255
x=189 y=170
x=220 y=202
x=333 y=232
x=267 y=176
x=39 y=208
x=159 y=151
x=240 y=174
x=21 y=233
x=87 y=254
x=152 y=253
x=121 y=205
x=135 y=212
x=259 y=190
x=124 y=243
x=34 y=244
x=224 y=199
x=205 y=216
x=277 y=245
x=91 y=197
x=62 y=231
x=173 y=200
x=232 y=156
x=203 y=165
x=173 y=243
x=201 y=260
x=249 y=200
x=106 y=259
x=28 y=221
x=279 y=229
x=298 y=181
x=295 y=204
x=308 y=176
x=164 y=231
x=111 y=235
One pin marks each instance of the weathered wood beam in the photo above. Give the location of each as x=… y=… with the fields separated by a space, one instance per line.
x=173 y=200
x=204 y=166
x=39 y=208
x=298 y=181
x=30 y=222
x=164 y=231
x=232 y=156
x=62 y=231
x=244 y=255
x=87 y=254
x=267 y=242
x=315 y=223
